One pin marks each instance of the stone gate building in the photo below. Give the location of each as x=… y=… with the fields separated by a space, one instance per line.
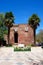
x=21 y=34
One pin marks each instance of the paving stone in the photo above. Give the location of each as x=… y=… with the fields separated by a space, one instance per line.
x=9 y=57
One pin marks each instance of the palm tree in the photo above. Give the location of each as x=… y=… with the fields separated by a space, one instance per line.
x=34 y=21
x=9 y=20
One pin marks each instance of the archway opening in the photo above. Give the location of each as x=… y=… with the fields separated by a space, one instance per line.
x=16 y=37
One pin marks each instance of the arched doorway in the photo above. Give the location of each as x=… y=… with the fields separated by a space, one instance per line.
x=16 y=37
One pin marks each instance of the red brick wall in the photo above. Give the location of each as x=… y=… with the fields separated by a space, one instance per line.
x=24 y=37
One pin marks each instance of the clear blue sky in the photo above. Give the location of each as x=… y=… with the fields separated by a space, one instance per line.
x=23 y=9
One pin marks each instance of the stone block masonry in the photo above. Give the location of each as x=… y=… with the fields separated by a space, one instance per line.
x=21 y=34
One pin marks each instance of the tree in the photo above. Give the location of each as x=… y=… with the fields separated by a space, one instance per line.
x=34 y=21
x=39 y=36
x=9 y=20
x=2 y=26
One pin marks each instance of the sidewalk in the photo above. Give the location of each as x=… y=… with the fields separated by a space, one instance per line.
x=9 y=57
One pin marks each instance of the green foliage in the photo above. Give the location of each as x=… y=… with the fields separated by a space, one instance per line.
x=34 y=21
x=9 y=19
x=8 y=15
x=2 y=27
x=31 y=45
x=10 y=45
x=22 y=49
x=39 y=36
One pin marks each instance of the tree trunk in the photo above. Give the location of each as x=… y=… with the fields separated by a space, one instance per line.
x=8 y=34
x=34 y=36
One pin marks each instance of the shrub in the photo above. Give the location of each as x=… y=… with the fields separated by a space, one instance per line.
x=31 y=45
x=2 y=42
x=22 y=49
x=8 y=45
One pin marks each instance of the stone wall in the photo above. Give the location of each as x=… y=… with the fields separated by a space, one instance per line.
x=25 y=34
